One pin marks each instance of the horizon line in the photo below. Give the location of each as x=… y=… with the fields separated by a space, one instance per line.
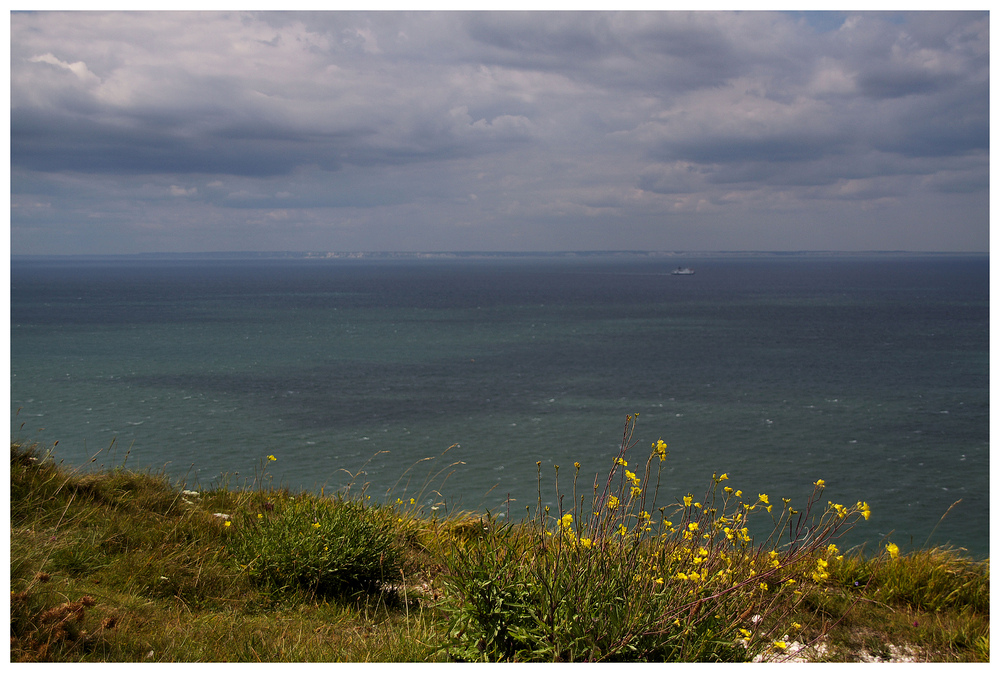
x=340 y=254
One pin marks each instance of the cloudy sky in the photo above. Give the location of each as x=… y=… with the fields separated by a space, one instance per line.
x=194 y=132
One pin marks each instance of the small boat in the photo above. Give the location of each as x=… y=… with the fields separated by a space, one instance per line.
x=682 y=271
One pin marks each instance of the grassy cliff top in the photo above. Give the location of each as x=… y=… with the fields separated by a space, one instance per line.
x=125 y=566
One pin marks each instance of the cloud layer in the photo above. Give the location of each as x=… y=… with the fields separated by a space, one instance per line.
x=162 y=131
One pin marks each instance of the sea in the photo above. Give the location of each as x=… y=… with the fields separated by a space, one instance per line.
x=462 y=381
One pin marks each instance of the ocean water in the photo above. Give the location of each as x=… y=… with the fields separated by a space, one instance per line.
x=870 y=372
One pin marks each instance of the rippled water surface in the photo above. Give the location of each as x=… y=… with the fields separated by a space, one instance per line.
x=868 y=372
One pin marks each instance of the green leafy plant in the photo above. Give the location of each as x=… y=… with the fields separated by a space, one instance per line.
x=604 y=579
x=323 y=546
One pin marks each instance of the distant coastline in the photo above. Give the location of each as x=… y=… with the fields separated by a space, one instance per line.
x=568 y=254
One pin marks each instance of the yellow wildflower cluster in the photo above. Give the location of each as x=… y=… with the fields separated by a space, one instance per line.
x=635 y=482
x=820 y=573
x=842 y=511
x=863 y=508
x=711 y=548
x=660 y=449
x=739 y=534
x=566 y=533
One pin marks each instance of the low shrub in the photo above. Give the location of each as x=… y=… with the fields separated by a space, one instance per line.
x=604 y=579
x=323 y=546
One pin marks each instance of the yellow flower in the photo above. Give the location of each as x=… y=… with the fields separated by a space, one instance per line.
x=780 y=644
x=820 y=483
x=831 y=550
x=260 y=516
x=228 y=524
x=687 y=500
x=622 y=462
x=820 y=573
x=693 y=526
x=612 y=502
x=796 y=626
x=738 y=494
x=745 y=633
x=763 y=498
x=271 y=458
x=413 y=501
x=586 y=542
x=660 y=449
x=316 y=525
x=723 y=476
x=891 y=548
x=864 y=509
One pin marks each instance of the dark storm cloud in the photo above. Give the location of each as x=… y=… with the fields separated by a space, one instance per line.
x=46 y=142
x=496 y=130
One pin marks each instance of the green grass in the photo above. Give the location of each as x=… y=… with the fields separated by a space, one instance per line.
x=126 y=566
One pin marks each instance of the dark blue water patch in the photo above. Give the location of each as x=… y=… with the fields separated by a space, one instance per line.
x=136 y=291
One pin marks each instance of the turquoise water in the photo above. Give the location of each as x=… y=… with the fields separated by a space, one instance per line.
x=868 y=372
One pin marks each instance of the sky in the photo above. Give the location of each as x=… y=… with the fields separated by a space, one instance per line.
x=135 y=132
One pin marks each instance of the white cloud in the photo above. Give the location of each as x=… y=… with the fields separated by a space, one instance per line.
x=384 y=117
x=79 y=68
